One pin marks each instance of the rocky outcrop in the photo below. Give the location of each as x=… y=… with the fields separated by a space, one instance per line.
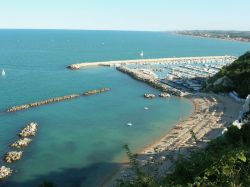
x=13 y=156
x=24 y=142
x=98 y=91
x=48 y=101
x=149 y=96
x=246 y=106
x=223 y=81
x=29 y=130
x=5 y=172
x=164 y=95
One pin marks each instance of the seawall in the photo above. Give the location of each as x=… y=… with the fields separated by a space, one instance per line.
x=155 y=60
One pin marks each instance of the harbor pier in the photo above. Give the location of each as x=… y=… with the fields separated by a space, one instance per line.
x=186 y=60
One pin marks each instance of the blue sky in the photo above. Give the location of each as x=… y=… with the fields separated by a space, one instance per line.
x=151 y=15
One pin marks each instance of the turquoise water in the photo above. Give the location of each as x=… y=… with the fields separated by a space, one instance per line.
x=80 y=141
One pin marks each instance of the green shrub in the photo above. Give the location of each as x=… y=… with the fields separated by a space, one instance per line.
x=233 y=135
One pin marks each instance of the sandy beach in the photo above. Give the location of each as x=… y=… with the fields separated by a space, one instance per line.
x=212 y=113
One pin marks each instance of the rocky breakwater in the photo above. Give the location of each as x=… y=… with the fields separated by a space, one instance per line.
x=45 y=102
x=13 y=156
x=74 y=67
x=164 y=95
x=97 y=91
x=23 y=142
x=5 y=172
x=29 y=130
x=139 y=75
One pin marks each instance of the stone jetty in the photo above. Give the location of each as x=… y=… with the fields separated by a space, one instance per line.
x=149 y=96
x=201 y=59
x=147 y=78
x=45 y=102
x=97 y=91
x=23 y=142
x=13 y=156
x=29 y=130
x=5 y=172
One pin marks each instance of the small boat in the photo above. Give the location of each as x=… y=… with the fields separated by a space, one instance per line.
x=146 y=108
x=129 y=124
x=3 y=72
x=141 y=54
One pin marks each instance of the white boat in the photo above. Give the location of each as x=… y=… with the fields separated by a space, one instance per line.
x=141 y=54
x=3 y=72
x=146 y=108
x=129 y=124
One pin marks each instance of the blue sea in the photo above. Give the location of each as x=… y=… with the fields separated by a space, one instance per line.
x=80 y=142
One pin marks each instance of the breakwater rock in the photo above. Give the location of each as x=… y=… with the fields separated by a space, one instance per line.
x=5 y=172
x=29 y=130
x=164 y=95
x=13 y=156
x=24 y=142
x=73 y=67
x=139 y=75
x=98 y=91
x=149 y=96
x=45 y=102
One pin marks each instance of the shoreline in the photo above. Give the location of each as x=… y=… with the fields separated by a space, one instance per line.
x=209 y=117
x=225 y=39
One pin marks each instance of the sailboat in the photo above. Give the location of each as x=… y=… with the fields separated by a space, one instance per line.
x=3 y=72
x=141 y=54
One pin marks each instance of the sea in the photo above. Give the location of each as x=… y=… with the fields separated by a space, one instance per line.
x=80 y=142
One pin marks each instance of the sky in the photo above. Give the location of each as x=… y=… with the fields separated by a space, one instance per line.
x=139 y=15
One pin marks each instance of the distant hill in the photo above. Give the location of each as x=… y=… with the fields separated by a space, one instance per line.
x=234 y=77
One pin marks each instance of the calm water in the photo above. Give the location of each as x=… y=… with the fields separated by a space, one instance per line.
x=80 y=141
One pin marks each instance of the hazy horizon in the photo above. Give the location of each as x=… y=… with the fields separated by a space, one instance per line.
x=121 y=30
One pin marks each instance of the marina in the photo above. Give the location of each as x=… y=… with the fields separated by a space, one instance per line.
x=179 y=78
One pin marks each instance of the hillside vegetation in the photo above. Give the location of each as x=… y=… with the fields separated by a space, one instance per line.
x=234 y=77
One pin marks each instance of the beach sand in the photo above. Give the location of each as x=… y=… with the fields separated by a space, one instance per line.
x=212 y=113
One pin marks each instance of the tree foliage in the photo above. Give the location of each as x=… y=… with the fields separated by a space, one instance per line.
x=238 y=73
